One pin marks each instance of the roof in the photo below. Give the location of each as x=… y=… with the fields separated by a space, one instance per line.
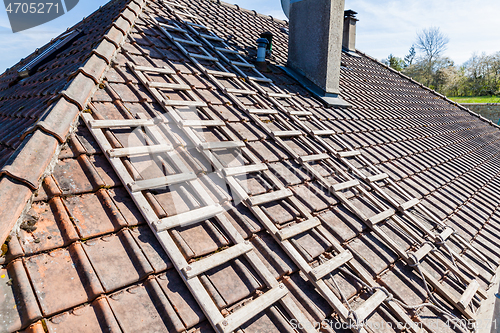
x=301 y=214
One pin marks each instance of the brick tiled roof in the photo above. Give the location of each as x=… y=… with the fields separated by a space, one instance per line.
x=84 y=258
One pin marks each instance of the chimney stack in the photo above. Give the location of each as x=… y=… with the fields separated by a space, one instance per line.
x=349 y=39
x=315 y=46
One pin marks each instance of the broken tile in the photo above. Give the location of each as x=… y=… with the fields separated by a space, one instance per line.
x=48 y=226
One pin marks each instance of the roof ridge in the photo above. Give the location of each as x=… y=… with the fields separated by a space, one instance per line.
x=29 y=164
x=460 y=106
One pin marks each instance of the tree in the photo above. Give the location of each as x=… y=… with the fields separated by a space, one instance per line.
x=410 y=56
x=425 y=63
x=430 y=76
x=482 y=75
x=453 y=81
x=394 y=62
x=427 y=66
x=432 y=42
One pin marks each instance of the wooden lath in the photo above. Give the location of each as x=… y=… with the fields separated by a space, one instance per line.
x=344 y=156
x=210 y=210
x=344 y=257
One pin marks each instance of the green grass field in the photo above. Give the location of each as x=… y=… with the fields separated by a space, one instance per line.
x=476 y=99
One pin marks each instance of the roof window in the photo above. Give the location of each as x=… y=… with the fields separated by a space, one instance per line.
x=50 y=53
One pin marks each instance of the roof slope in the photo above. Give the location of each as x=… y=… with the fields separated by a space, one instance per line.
x=26 y=103
x=40 y=110
x=86 y=259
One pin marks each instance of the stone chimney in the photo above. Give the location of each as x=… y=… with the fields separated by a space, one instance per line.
x=315 y=45
x=349 y=39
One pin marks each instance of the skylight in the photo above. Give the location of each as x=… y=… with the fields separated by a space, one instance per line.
x=47 y=54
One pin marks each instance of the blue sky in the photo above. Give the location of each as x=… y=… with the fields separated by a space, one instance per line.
x=14 y=47
x=385 y=26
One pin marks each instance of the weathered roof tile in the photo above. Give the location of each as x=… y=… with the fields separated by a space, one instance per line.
x=94 y=68
x=81 y=180
x=94 y=214
x=59 y=119
x=92 y=317
x=149 y=303
x=47 y=227
x=29 y=163
x=152 y=248
x=63 y=272
x=79 y=90
x=13 y=196
x=17 y=299
x=126 y=206
x=117 y=260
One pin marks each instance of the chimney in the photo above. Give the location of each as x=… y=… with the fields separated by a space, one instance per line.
x=315 y=46
x=349 y=39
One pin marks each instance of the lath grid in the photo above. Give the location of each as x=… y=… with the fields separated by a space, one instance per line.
x=155 y=144
x=289 y=131
x=386 y=212
x=253 y=203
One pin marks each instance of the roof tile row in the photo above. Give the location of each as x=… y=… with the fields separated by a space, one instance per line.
x=86 y=228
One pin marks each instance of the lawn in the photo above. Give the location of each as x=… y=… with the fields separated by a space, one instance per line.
x=476 y=99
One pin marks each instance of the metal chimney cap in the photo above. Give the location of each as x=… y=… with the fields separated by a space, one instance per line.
x=350 y=13
x=262 y=41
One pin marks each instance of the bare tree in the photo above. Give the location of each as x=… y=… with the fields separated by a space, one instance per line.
x=432 y=42
x=410 y=56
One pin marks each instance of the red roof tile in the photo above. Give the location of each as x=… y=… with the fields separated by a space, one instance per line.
x=94 y=317
x=94 y=214
x=63 y=272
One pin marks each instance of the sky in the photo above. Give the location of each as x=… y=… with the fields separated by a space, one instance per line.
x=385 y=26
